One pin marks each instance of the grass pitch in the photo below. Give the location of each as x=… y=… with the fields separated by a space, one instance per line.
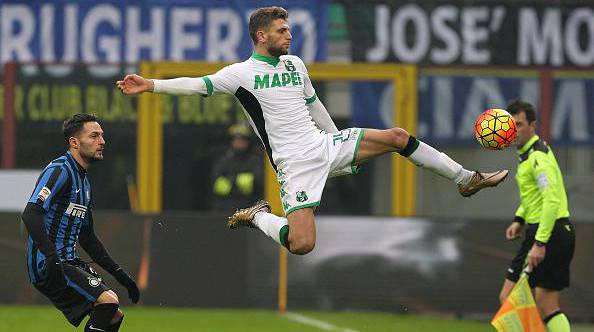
x=45 y=318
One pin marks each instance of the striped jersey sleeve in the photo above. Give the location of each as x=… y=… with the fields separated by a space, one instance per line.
x=88 y=221
x=51 y=181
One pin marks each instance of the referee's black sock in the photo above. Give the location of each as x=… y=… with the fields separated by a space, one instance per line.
x=101 y=316
x=116 y=327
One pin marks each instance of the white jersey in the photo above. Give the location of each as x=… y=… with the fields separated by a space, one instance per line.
x=274 y=93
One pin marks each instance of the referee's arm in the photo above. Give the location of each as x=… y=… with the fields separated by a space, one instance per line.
x=544 y=175
x=520 y=215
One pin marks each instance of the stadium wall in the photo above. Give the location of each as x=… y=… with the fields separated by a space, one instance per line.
x=452 y=266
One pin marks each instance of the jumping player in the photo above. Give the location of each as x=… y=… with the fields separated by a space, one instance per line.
x=302 y=142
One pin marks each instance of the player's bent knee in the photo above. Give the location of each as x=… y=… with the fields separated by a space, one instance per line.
x=302 y=246
x=108 y=297
x=398 y=137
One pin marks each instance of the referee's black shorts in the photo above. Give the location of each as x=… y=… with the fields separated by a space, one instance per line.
x=553 y=272
x=83 y=289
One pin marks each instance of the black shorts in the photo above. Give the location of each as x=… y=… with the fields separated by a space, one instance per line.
x=83 y=289
x=553 y=272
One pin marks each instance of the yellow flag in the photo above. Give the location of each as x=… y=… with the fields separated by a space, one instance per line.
x=519 y=312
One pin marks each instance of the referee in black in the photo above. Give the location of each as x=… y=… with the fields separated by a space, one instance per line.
x=56 y=216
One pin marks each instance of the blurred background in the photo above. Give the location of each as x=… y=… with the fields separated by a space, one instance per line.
x=440 y=254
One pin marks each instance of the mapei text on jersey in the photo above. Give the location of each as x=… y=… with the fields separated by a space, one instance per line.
x=278 y=80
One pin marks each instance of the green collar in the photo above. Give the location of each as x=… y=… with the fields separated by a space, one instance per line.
x=528 y=144
x=271 y=60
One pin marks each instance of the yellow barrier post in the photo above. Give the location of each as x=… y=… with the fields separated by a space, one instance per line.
x=149 y=149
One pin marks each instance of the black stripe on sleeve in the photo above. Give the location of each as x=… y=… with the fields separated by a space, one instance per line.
x=50 y=183
x=61 y=199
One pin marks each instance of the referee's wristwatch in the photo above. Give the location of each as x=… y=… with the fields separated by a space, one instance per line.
x=539 y=243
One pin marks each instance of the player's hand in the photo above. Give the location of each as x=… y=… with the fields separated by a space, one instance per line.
x=135 y=84
x=514 y=231
x=56 y=280
x=536 y=255
x=125 y=280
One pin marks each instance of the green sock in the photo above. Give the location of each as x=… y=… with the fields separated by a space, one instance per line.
x=277 y=228
x=283 y=235
x=557 y=322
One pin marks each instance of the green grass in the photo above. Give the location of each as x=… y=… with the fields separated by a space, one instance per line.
x=37 y=318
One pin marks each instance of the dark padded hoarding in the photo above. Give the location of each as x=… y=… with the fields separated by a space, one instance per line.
x=396 y=265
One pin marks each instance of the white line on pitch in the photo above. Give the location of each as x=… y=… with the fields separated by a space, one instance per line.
x=315 y=322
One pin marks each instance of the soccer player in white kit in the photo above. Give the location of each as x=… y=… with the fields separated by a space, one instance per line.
x=302 y=142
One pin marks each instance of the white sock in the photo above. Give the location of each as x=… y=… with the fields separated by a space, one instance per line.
x=440 y=163
x=270 y=224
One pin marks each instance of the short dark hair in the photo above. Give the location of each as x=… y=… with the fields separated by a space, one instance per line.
x=263 y=17
x=517 y=106
x=72 y=126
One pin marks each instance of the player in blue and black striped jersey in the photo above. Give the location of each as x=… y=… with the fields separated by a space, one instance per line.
x=58 y=214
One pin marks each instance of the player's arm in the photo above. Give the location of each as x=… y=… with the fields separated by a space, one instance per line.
x=33 y=219
x=94 y=247
x=89 y=241
x=316 y=109
x=225 y=80
x=320 y=116
x=135 y=84
x=544 y=175
x=51 y=184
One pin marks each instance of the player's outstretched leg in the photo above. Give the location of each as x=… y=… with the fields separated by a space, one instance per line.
x=482 y=180
x=259 y=216
x=245 y=217
x=376 y=142
x=302 y=238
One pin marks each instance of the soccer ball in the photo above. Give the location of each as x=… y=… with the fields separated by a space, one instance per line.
x=495 y=129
